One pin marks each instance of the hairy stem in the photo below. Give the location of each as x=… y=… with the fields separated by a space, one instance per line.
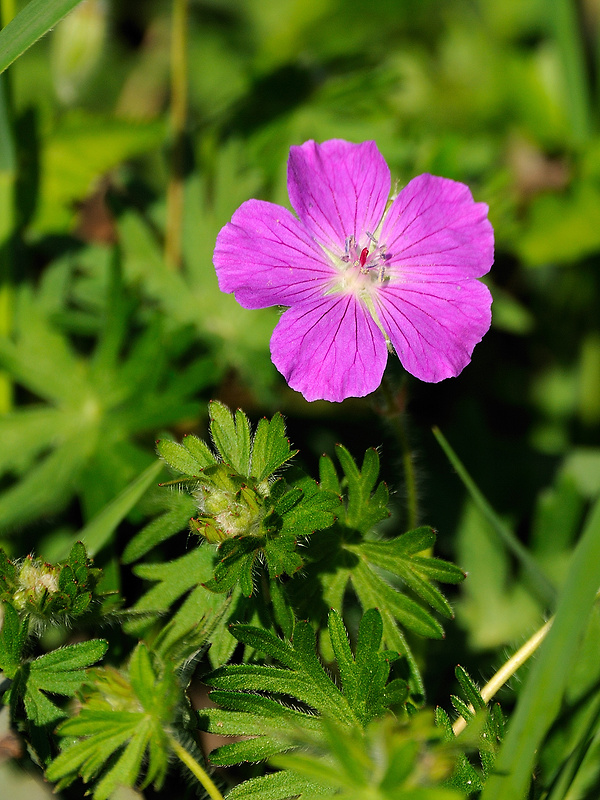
x=8 y=171
x=507 y=670
x=394 y=411
x=178 y=120
x=195 y=768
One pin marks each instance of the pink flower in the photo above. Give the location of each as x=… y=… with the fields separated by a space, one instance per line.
x=360 y=275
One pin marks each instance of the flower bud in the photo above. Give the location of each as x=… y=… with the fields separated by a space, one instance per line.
x=36 y=580
x=228 y=507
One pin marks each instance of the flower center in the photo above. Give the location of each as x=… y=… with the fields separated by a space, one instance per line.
x=360 y=269
x=368 y=260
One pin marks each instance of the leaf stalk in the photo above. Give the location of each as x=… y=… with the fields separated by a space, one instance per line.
x=507 y=670
x=195 y=768
x=396 y=416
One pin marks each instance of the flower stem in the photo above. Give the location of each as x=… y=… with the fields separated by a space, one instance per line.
x=195 y=768
x=394 y=411
x=8 y=174
x=507 y=670
x=178 y=119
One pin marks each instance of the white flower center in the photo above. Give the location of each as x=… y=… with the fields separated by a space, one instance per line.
x=361 y=270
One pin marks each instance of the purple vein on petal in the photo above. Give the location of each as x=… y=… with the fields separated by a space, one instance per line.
x=338 y=189
x=329 y=349
x=267 y=257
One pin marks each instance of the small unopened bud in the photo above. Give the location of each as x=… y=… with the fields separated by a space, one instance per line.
x=35 y=581
x=227 y=508
x=76 y=48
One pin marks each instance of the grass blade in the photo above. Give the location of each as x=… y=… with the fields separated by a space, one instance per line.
x=99 y=530
x=539 y=581
x=540 y=700
x=36 y=19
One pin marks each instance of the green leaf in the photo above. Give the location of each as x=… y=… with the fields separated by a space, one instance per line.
x=101 y=403
x=328 y=476
x=181 y=507
x=180 y=458
x=36 y=19
x=199 y=450
x=99 y=530
x=13 y=636
x=270 y=448
x=365 y=507
x=562 y=226
x=277 y=786
x=486 y=724
x=390 y=760
x=185 y=578
x=281 y=557
x=362 y=697
x=8 y=576
x=81 y=148
x=46 y=487
x=123 y=720
x=470 y=690
x=231 y=436
x=407 y=611
x=341 y=557
x=314 y=510
x=415 y=571
x=60 y=672
x=236 y=565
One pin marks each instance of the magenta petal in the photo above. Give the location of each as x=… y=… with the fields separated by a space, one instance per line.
x=329 y=349
x=338 y=189
x=434 y=327
x=436 y=231
x=268 y=258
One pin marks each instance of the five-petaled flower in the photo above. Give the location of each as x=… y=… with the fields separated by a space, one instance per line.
x=359 y=274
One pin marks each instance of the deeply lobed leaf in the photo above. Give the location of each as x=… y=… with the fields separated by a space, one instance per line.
x=362 y=696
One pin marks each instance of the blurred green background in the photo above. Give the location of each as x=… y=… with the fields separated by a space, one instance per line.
x=105 y=346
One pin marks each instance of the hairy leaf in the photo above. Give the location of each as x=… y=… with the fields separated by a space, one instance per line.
x=488 y=728
x=123 y=721
x=363 y=696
